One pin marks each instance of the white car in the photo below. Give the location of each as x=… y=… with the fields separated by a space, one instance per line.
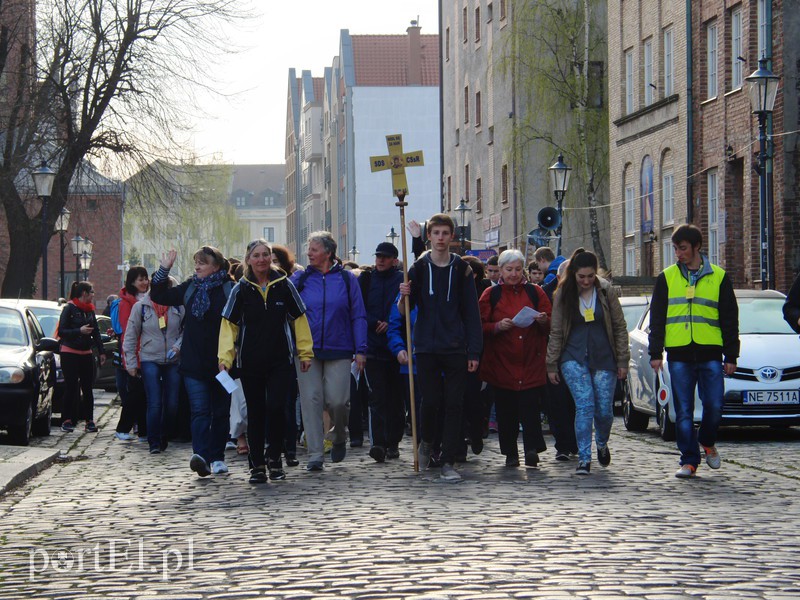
x=764 y=390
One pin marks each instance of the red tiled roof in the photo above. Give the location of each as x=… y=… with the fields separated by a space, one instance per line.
x=382 y=60
x=319 y=86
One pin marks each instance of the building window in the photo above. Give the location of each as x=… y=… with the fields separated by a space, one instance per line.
x=504 y=179
x=669 y=63
x=711 y=59
x=241 y=201
x=458 y=137
x=668 y=200
x=449 y=193
x=489 y=12
x=91 y=205
x=269 y=201
x=502 y=9
x=478 y=194
x=667 y=251
x=477 y=109
x=762 y=28
x=630 y=261
x=736 y=49
x=713 y=217
x=629 y=82
x=447 y=44
x=466 y=183
x=596 y=84
x=491 y=134
x=630 y=210
x=478 y=24
x=269 y=234
x=649 y=86
x=466 y=104
x=465 y=24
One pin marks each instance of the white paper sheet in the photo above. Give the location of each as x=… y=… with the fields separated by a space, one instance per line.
x=525 y=317
x=227 y=382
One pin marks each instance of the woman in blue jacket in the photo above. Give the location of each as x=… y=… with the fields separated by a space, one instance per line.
x=338 y=321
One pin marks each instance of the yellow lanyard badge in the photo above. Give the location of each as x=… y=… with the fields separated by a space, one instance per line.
x=588 y=315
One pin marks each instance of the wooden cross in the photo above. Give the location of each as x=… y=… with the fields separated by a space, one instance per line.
x=397 y=161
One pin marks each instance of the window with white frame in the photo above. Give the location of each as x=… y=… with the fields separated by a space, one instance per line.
x=736 y=49
x=713 y=217
x=269 y=234
x=667 y=253
x=711 y=60
x=762 y=28
x=667 y=199
x=630 y=261
x=241 y=201
x=630 y=210
x=669 y=66
x=629 y=81
x=649 y=86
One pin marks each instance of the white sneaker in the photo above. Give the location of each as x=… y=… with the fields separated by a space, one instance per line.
x=230 y=445
x=449 y=473
x=218 y=467
x=125 y=437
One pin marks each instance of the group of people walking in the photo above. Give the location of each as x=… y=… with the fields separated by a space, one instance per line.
x=546 y=337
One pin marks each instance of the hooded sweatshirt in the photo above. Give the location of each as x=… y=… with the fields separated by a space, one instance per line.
x=448 y=321
x=145 y=337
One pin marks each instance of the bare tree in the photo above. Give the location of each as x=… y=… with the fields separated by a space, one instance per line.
x=111 y=78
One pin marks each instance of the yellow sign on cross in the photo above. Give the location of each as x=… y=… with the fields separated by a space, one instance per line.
x=397 y=161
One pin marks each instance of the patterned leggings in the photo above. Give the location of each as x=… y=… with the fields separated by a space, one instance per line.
x=593 y=392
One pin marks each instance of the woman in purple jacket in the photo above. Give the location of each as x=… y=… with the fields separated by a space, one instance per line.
x=338 y=321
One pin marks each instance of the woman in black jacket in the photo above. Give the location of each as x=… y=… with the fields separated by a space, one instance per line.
x=204 y=296
x=77 y=329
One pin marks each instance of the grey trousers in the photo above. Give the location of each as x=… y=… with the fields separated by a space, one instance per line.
x=325 y=385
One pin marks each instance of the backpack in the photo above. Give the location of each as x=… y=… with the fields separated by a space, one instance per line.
x=227 y=286
x=497 y=291
x=113 y=312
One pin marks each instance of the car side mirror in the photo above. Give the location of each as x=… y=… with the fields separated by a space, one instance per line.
x=47 y=344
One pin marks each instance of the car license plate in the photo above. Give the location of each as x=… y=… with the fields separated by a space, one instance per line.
x=772 y=397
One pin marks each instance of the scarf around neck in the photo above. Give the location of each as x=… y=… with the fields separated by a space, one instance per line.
x=84 y=306
x=202 y=302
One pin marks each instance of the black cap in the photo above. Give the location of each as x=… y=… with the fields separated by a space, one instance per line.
x=386 y=249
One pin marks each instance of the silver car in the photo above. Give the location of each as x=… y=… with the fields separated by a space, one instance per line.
x=764 y=390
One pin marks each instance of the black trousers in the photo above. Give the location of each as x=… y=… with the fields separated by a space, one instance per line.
x=474 y=410
x=134 y=403
x=78 y=372
x=561 y=414
x=386 y=409
x=265 y=396
x=442 y=379
x=519 y=407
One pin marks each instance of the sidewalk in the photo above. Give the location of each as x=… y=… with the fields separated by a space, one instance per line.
x=20 y=463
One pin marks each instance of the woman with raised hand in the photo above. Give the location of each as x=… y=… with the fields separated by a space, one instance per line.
x=256 y=333
x=203 y=295
x=589 y=343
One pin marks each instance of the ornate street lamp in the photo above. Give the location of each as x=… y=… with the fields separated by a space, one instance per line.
x=354 y=254
x=86 y=263
x=62 y=223
x=463 y=211
x=392 y=237
x=559 y=178
x=43 y=179
x=762 y=87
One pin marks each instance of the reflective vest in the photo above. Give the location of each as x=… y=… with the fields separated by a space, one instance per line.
x=693 y=319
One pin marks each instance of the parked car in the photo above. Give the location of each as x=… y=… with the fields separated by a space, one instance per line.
x=764 y=390
x=48 y=313
x=27 y=373
x=633 y=307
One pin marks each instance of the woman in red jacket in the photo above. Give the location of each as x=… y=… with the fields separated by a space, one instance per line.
x=514 y=357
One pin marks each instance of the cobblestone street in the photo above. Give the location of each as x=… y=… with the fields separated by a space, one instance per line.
x=114 y=522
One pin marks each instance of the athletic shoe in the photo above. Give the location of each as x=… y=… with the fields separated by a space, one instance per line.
x=143 y=439
x=449 y=473
x=356 y=443
x=91 y=427
x=67 y=426
x=155 y=450
x=218 y=467
x=604 y=456
x=583 y=468
x=712 y=457
x=338 y=452
x=291 y=460
x=230 y=445
x=314 y=466
x=125 y=437
x=512 y=461
x=392 y=452
x=276 y=472
x=685 y=472
x=378 y=454
x=199 y=465
x=562 y=457
x=531 y=458
x=327 y=446
x=258 y=475
x=424 y=453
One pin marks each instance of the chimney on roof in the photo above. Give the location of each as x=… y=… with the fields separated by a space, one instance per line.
x=414 y=54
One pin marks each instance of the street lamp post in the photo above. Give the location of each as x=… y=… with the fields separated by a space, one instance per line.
x=392 y=237
x=354 y=254
x=559 y=177
x=762 y=87
x=77 y=250
x=463 y=214
x=61 y=226
x=43 y=179
x=86 y=263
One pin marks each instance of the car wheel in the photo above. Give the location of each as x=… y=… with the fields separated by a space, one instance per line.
x=21 y=436
x=666 y=428
x=633 y=419
x=41 y=426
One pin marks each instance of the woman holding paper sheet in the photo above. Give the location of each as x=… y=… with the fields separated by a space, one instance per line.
x=589 y=343
x=262 y=321
x=514 y=357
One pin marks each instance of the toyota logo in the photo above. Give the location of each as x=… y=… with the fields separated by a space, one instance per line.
x=768 y=373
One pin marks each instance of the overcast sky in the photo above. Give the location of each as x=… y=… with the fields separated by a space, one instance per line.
x=249 y=127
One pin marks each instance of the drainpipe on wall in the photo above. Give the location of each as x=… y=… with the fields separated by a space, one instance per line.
x=441 y=118
x=689 y=116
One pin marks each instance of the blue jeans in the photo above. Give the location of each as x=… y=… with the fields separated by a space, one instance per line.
x=210 y=405
x=161 y=385
x=593 y=392
x=707 y=377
